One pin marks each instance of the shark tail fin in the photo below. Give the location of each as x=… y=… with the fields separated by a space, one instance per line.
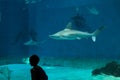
x=96 y=32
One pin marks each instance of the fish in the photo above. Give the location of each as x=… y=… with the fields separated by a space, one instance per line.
x=70 y=34
x=26 y=60
x=93 y=11
x=31 y=42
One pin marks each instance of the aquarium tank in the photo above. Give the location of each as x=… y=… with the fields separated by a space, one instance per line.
x=74 y=39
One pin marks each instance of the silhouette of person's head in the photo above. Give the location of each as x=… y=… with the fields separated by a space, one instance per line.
x=34 y=59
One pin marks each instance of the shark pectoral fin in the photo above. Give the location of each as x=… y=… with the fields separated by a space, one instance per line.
x=94 y=38
x=78 y=38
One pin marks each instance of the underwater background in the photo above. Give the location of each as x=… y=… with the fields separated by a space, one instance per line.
x=21 y=19
x=24 y=20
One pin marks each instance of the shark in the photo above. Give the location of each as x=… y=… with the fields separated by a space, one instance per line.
x=71 y=34
x=93 y=11
x=31 y=42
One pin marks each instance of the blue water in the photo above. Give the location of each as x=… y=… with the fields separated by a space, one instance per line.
x=21 y=20
x=51 y=16
x=25 y=26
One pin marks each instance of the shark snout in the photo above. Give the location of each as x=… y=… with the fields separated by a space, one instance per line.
x=51 y=36
x=54 y=36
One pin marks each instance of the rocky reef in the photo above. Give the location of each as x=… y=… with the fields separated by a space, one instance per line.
x=112 y=68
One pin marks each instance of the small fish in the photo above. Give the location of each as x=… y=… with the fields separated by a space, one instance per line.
x=26 y=60
x=93 y=11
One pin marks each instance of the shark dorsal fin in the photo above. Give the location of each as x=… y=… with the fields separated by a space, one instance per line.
x=69 y=25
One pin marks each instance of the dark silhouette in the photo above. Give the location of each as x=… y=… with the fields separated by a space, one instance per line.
x=25 y=36
x=79 y=22
x=112 y=68
x=37 y=73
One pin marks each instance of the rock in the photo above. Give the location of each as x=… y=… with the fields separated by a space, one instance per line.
x=112 y=68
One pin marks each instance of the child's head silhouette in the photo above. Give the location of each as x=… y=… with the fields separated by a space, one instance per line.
x=34 y=59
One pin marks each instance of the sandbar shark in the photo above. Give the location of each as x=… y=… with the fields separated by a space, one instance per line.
x=31 y=42
x=70 y=34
